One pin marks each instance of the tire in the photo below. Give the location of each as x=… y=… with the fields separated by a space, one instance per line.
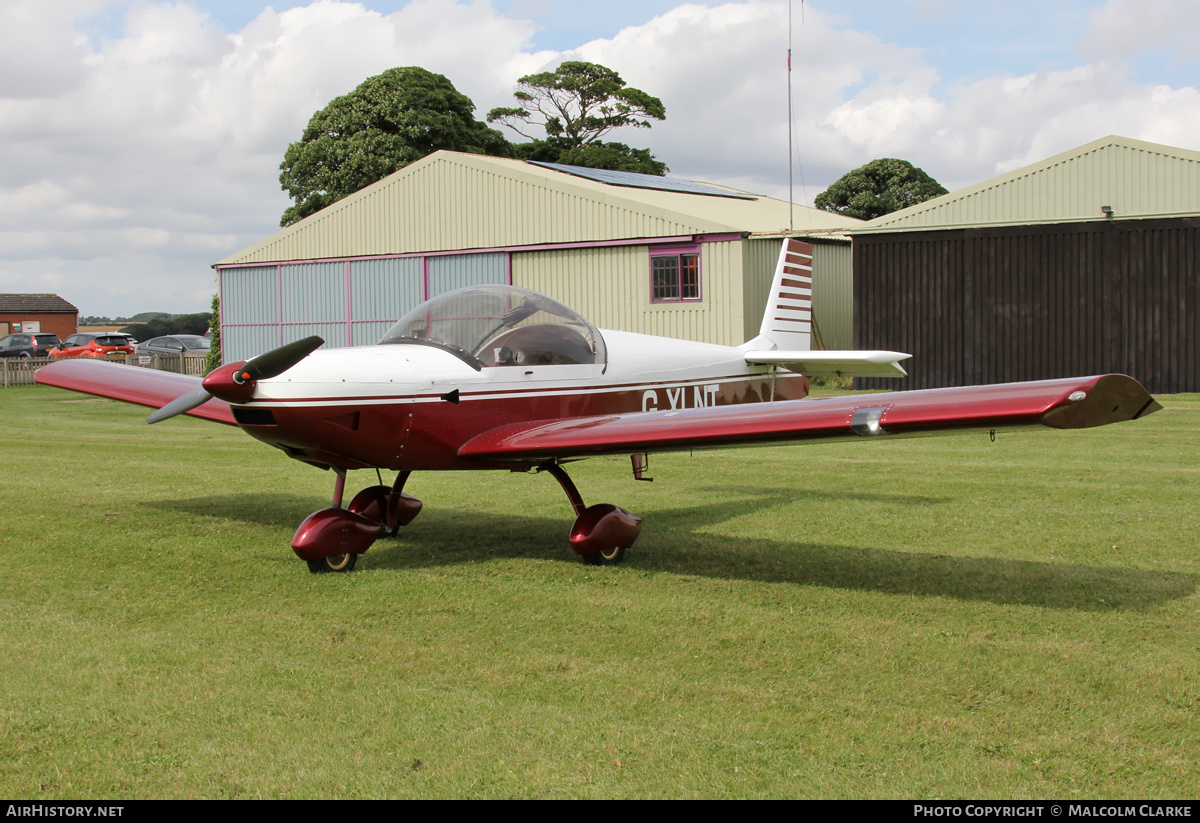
x=337 y=563
x=605 y=558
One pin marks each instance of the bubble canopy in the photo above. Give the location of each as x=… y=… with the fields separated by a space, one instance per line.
x=489 y=326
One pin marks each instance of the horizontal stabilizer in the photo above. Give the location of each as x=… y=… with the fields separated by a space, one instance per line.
x=834 y=363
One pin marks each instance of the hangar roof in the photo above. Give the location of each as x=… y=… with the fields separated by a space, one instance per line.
x=1134 y=178
x=451 y=201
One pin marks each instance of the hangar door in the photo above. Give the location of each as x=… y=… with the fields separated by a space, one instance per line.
x=346 y=302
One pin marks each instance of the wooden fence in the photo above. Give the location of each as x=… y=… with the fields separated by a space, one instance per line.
x=19 y=371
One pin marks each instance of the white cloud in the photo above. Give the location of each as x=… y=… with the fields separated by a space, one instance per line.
x=1120 y=29
x=40 y=53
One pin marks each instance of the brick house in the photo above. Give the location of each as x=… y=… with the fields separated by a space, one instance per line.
x=37 y=312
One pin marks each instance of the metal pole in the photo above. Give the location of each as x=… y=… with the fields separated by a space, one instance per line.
x=791 y=197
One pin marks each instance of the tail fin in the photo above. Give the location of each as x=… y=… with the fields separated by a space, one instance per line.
x=787 y=322
x=786 y=334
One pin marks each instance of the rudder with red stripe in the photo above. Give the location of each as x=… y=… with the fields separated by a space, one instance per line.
x=787 y=321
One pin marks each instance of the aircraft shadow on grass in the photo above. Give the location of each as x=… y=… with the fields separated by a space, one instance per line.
x=675 y=542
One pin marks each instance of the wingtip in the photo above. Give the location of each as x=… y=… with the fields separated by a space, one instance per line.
x=1113 y=398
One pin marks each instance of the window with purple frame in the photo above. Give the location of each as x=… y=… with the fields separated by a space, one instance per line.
x=675 y=274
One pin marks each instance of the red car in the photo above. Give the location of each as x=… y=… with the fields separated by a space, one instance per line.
x=101 y=345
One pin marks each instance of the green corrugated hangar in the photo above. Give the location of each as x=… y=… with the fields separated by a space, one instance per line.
x=1085 y=263
x=628 y=251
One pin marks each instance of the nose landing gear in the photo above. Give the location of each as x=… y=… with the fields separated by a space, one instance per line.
x=331 y=539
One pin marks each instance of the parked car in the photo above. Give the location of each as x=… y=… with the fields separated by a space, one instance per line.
x=88 y=344
x=176 y=344
x=28 y=344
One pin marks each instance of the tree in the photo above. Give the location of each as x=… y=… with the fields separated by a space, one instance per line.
x=598 y=155
x=878 y=188
x=214 y=323
x=576 y=105
x=389 y=121
x=165 y=324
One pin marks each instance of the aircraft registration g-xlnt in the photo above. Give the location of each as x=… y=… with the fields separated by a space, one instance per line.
x=497 y=377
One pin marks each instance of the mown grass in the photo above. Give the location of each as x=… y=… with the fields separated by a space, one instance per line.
x=936 y=617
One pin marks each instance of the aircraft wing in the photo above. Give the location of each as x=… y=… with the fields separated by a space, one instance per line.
x=146 y=387
x=1073 y=403
x=831 y=363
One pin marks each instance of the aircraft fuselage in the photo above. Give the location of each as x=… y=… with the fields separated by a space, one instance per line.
x=411 y=407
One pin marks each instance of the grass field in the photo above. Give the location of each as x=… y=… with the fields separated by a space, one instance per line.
x=936 y=617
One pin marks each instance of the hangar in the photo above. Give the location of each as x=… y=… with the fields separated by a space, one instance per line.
x=1085 y=263
x=628 y=251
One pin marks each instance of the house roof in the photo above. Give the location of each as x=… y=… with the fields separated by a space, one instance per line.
x=450 y=201
x=1134 y=178
x=35 y=304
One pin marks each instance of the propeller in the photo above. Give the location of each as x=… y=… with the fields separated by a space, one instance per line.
x=277 y=361
x=181 y=404
x=234 y=382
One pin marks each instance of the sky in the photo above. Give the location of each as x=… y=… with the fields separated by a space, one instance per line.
x=142 y=140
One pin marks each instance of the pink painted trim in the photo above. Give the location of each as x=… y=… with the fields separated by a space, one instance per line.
x=677 y=250
x=279 y=300
x=221 y=309
x=349 y=310
x=722 y=237
x=298 y=323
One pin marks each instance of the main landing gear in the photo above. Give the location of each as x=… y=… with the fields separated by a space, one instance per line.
x=602 y=532
x=330 y=540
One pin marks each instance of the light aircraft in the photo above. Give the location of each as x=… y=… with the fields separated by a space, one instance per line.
x=503 y=378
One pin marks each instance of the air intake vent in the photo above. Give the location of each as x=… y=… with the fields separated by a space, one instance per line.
x=253 y=417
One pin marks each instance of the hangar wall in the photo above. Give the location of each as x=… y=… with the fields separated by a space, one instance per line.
x=1001 y=304
x=346 y=302
x=352 y=302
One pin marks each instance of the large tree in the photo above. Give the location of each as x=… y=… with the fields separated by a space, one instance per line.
x=389 y=121
x=575 y=105
x=597 y=155
x=878 y=188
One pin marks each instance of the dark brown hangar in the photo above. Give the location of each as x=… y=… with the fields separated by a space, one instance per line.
x=1084 y=263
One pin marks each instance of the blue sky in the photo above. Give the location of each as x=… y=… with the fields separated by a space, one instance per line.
x=144 y=137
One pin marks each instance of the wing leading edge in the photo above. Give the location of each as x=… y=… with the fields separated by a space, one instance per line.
x=1081 y=402
x=146 y=387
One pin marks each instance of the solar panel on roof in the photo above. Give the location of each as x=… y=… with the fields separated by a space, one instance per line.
x=635 y=180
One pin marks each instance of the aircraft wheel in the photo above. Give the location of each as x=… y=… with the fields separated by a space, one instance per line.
x=333 y=563
x=606 y=557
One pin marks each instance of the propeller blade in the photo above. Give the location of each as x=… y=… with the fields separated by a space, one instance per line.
x=181 y=404
x=277 y=361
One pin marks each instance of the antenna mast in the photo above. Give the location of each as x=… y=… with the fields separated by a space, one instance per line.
x=791 y=197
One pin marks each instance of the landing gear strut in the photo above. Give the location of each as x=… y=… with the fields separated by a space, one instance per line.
x=390 y=507
x=601 y=533
x=330 y=540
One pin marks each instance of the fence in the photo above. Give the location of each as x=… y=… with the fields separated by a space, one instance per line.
x=18 y=371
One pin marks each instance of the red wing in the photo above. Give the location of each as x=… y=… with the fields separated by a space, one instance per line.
x=1080 y=402
x=147 y=387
